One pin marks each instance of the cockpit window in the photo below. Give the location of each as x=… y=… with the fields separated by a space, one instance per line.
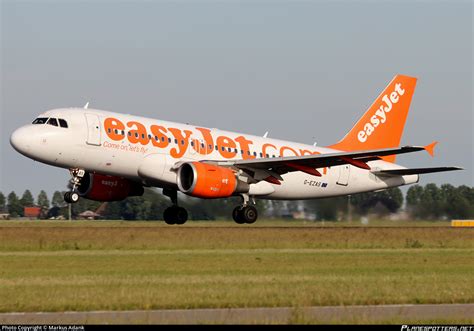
x=62 y=123
x=40 y=120
x=53 y=122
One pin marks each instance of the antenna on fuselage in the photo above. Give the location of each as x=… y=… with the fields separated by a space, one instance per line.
x=265 y=135
x=86 y=105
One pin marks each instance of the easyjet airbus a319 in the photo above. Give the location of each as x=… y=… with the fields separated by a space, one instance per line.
x=112 y=156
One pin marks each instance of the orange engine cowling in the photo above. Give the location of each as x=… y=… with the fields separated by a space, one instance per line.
x=204 y=180
x=108 y=188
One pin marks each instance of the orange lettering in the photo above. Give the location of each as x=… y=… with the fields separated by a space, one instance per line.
x=284 y=148
x=305 y=152
x=183 y=142
x=139 y=135
x=159 y=138
x=264 y=149
x=244 y=146
x=208 y=142
x=113 y=125
x=224 y=144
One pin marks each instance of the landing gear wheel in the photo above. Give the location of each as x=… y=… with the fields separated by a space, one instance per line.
x=237 y=215
x=175 y=215
x=245 y=214
x=249 y=214
x=74 y=197
x=168 y=216
x=181 y=215
x=71 y=197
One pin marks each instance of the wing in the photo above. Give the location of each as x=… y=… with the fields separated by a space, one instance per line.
x=271 y=169
x=416 y=171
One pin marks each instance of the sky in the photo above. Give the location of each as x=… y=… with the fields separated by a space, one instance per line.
x=303 y=70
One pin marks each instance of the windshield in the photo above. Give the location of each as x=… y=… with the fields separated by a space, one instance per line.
x=40 y=120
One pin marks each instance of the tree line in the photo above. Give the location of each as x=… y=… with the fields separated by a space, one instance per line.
x=430 y=202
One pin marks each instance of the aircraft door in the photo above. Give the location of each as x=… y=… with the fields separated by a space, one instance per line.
x=93 y=129
x=344 y=172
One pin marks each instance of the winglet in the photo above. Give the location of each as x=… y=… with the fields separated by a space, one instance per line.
x=430 y=148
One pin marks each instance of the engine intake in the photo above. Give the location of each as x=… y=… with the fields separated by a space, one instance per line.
x=209 y=181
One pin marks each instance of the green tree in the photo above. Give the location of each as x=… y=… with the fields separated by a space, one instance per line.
x=328 y=209
x=431 y=202
x=58 y=199
x=391 y=199
x=13 y=205
x=43 y=200
x=2 y=202
x=27 y=199
x=413 y=198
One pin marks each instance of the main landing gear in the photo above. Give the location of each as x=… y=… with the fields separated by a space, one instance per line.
x=77 y=175
x=174 y=214
x=245 y=214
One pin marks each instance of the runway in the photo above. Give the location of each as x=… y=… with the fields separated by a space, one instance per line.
x=284 y=315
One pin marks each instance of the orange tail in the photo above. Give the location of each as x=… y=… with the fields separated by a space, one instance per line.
x=382 y=124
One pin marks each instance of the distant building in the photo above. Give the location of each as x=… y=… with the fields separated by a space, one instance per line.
x=89 y=215
x=32 y=212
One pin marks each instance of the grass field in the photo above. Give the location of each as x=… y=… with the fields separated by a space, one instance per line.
x=61 y=265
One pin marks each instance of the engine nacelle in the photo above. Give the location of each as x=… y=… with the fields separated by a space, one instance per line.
x=209 y=181
x=108 y=188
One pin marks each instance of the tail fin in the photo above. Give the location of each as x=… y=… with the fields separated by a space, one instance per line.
x=382 y=124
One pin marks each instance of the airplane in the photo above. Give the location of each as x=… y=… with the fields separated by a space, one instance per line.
x=112 y=156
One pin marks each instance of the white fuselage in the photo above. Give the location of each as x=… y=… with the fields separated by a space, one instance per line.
x=125 y=145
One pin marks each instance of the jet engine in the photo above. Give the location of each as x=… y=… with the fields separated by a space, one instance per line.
x=209 y=181
x=108 y=188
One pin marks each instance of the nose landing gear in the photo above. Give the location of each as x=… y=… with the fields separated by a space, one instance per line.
x=77 y=175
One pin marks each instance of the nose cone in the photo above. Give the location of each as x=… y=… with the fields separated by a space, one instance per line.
x=20 y=140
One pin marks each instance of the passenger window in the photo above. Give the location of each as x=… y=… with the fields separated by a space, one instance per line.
x=62 y=123
x=40 y=120
x=53 y=122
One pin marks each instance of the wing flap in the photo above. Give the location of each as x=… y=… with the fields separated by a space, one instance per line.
x=318 y=160
x=414 y=171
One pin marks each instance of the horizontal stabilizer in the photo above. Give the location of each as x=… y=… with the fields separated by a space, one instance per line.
x=415 y=171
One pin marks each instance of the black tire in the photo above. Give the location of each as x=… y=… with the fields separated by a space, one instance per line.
x=67 y=197
x=237 y=215
x=181 y=215
x=74 y=197
x=169 y=216
x=249 y=214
